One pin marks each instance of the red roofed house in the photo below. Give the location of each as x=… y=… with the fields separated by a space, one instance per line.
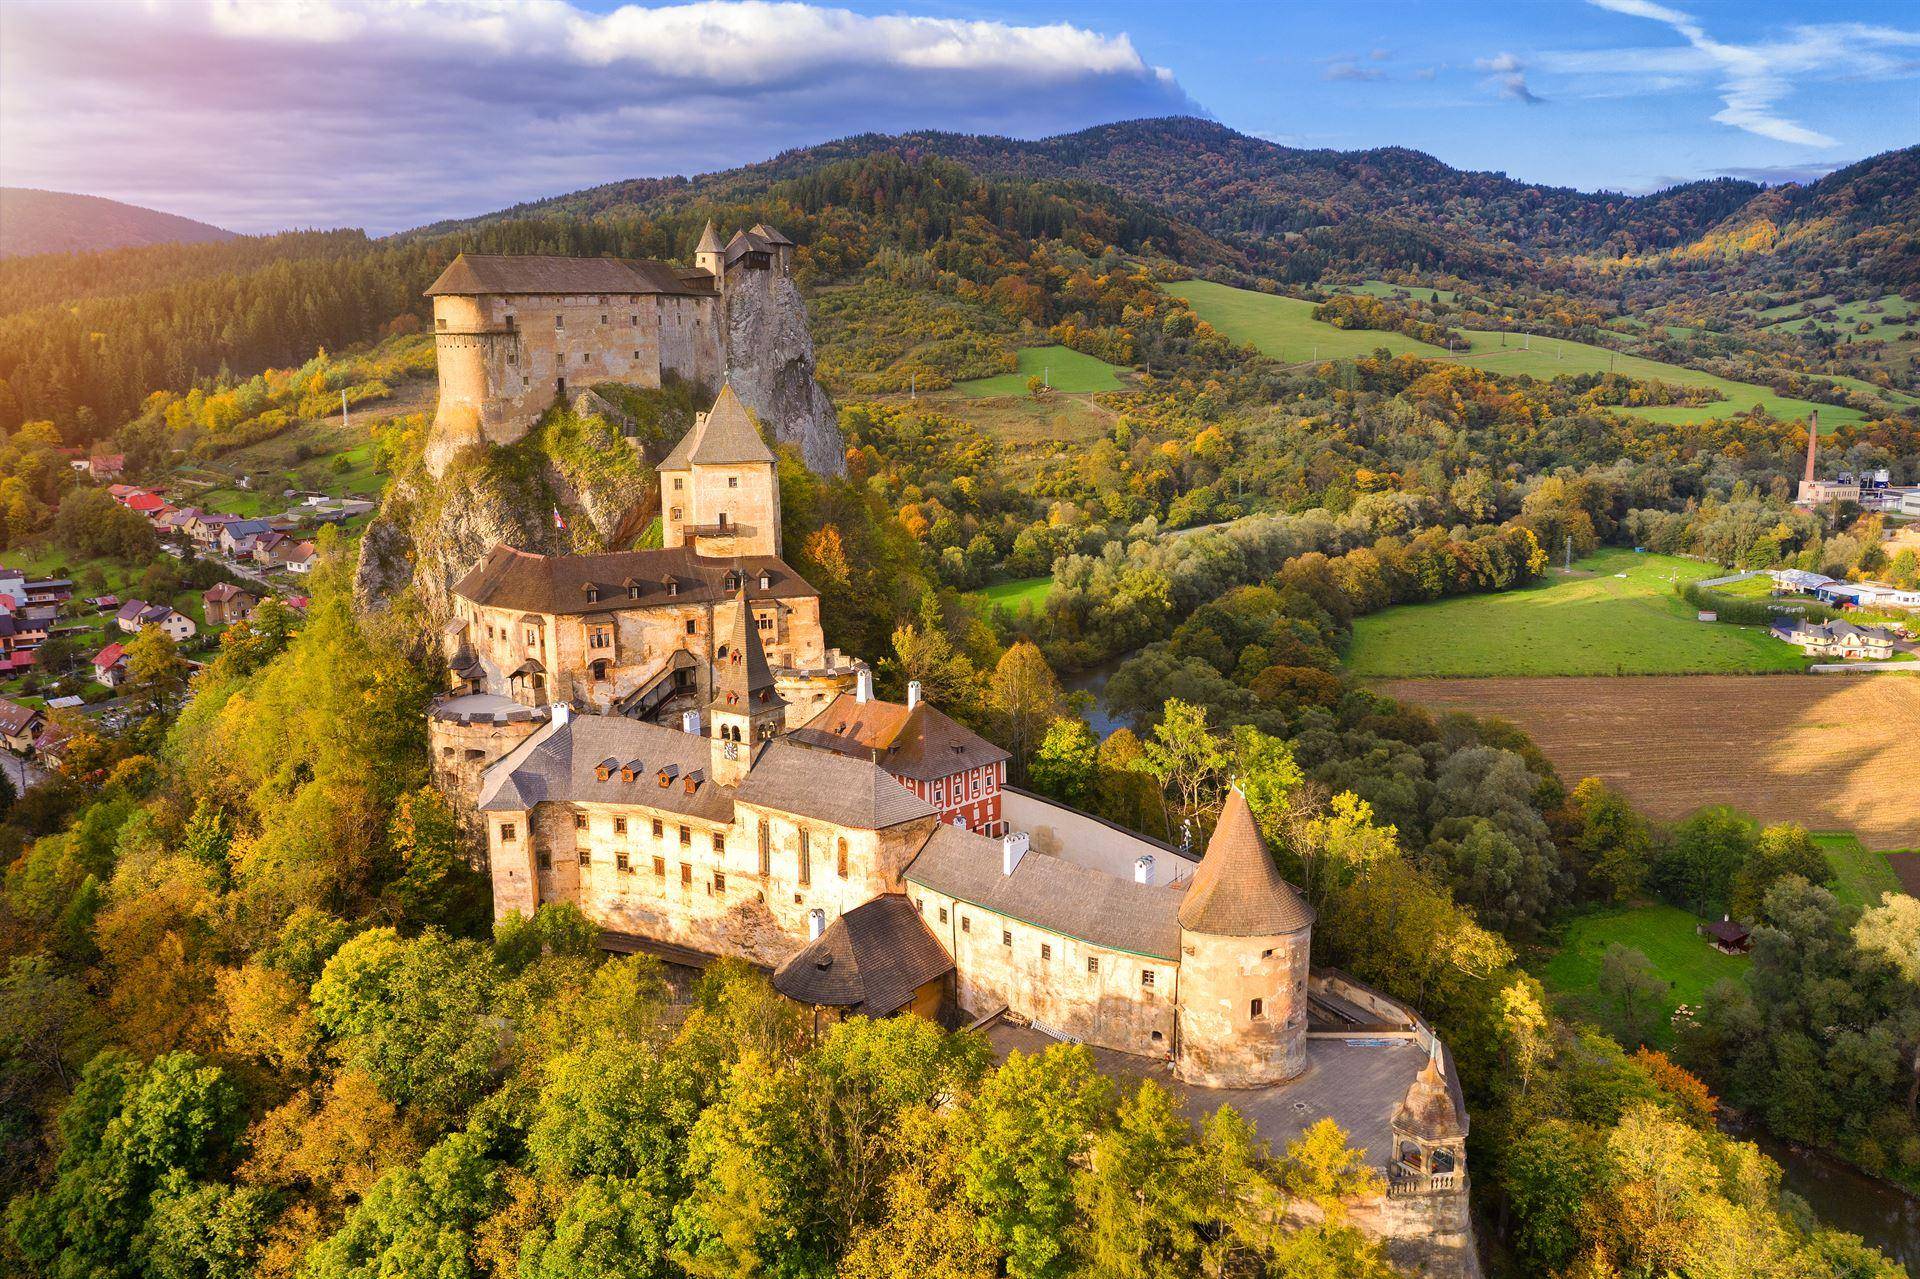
x=945 y=763
x=105 y=466
x=110 y=665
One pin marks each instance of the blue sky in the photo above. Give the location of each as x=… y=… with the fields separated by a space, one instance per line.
x=268 y=114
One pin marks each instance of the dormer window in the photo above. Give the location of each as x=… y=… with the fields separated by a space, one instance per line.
x=593 y=593
x=667 y=775
x=672 y=584
x=766 y=580
x=633 y=589
x=604 y=769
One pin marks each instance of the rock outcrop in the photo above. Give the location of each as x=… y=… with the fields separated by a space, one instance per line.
x=770 y=363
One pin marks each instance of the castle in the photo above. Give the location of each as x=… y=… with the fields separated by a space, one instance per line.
x=662 y=739
x=512 y=332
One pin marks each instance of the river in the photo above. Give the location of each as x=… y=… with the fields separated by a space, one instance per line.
x=1093 y=682
x=1844 y=1197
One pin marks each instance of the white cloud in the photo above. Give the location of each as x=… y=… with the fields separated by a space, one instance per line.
x=260 y=114
x=1509 y=76
x=1752 y=79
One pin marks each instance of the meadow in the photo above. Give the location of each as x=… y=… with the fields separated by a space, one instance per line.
x=1860 y=875
x=1284 y=328
x=1617 y=614
x=1664 y=934
x=1024 y=590
x=1066 y=370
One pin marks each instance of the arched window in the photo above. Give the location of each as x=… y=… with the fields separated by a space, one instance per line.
x=600 y=669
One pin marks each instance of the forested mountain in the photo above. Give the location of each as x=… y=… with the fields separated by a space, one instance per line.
x=58 y=222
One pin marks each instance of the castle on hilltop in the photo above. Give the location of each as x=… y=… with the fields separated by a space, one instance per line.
x=661 y=738
x=513 y=333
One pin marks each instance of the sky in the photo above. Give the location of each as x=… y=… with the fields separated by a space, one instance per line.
x=260 y=115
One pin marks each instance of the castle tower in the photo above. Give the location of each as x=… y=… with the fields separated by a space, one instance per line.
x=710 y=256
x=1429 y=1132
x=746 y=709
x=1245 y=937
x=719 y=493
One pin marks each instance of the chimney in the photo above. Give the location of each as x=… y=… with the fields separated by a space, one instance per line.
x=913 y=694
x=816 y=923
x=1813 y=437
x=1013 y=846
x=863 y=686
x=1143 y=869
x=690 y=722
x=562 y=712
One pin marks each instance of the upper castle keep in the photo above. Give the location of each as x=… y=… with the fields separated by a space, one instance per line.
x=513 y=332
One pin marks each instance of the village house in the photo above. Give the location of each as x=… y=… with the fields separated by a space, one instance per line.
x=20 y=725
x=226 y=604
x=237 y=538
x=110 y=664
x=136 y=615
x=1836 y=639
x=945 y=763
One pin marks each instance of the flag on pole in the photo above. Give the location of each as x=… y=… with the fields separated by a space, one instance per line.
x=558 y=522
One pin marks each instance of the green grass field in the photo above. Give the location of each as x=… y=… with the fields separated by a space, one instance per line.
x=1066 y=370
x=1617 y=615
x=1284 y=328
x=1664 y=934
x=1860 y=875
x=1025 y=590
x=1891 y=307
x=1382 y=289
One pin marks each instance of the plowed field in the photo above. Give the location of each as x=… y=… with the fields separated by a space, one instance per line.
x=1833 y=752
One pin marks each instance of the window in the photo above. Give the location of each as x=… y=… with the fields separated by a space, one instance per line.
x=806 y=863
x=1093 y=963
x=603 y=317
x=679 y=483
x=583 y=357
x=622 y=864
x=509 y=832
x=579 y=821
x=658 y=829
x=509 y=321
x=733 y=481
x=1146 y=976
x=686 y=837
x=686 y=875
x=1267 y=953
x=599 y=636
x=719 y=881
x=920 y=905
x=1006 y=937
x=544 y=857
x=619 y=825
x=943 y=914
x=674 y=516
x=1046 y=951
x=586 y=857
x=766 y=847
x=559 y=321
x=692 y=627
x=966 y=923
x=636 y=355
x=634 y=322
x=1256 y=1009
x=439 y=323
x=659 y=868
x=719 y=845
x=841 y=859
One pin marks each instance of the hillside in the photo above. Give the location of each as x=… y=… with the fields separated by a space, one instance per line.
x=58 y=222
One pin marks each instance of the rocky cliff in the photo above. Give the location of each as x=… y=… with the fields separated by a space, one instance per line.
x=771 y=365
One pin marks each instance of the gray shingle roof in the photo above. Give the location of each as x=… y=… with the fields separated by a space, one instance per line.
x=832 y=788
x=742 y=681
x=559 y=767
x=1238 y=891
x=509 y=578
x=724 y=434
x=870 y=960
x=472 y=274
x=1050 y=893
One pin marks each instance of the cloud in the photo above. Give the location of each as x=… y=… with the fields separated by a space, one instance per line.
x=1351 y=71
x=1380 y=55
x=259 y=115
x=1773 y=175
x=1510 y=78
x=1752 y=79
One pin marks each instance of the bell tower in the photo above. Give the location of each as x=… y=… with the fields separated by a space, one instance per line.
x=746 y=710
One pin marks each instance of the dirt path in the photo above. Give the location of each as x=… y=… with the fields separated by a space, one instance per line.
x=1832 y=752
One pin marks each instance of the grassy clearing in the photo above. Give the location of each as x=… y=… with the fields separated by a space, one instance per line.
x=1066 y=370
x=1888 y=312
x=1382 y=289
x=1860 y=875
x=1664 y=934
x=1025 y=590
x=1284 y=328
x=1617 y=615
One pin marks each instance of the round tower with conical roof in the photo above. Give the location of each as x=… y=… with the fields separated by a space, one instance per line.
x=711 y=255
x=1245 y=938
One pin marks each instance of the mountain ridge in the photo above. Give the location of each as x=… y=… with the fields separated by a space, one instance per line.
x=33 y=221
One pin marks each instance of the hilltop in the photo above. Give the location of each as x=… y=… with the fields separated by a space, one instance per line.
x=59 y=222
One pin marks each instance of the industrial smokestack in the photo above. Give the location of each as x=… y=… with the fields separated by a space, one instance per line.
x=1813 y=441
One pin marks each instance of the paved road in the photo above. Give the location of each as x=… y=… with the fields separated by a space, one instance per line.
x=22 y=773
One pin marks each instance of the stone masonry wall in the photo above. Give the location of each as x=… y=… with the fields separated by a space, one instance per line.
x=1223 y=1042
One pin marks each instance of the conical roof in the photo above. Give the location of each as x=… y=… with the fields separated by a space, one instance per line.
x=709 y=240
x=724 y=434
x=1428 y=1112
x=1238 y=891
x=742 y=680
